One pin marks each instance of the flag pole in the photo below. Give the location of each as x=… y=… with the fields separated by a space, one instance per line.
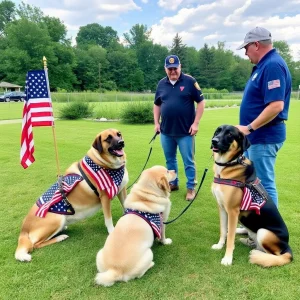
x=53 y=126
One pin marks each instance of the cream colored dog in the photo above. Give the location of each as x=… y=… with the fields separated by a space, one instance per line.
x=127 y=251
x=104 y=161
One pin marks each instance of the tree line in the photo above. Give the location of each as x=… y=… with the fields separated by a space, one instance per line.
x=100 y=62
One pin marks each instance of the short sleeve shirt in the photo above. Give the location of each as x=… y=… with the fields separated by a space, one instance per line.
x=177 y=104
x=270 y=81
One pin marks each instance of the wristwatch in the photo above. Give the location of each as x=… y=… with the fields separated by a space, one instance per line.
x=250 y=128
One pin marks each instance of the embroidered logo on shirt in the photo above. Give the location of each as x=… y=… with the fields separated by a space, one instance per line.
x=273 y=84
x=181 y=88
x=197 y=86
x=254 y=76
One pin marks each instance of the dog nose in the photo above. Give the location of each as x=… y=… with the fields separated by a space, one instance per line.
x=121 y=143
x=215 y=141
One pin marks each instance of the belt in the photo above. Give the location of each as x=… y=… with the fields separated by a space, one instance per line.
x=274 y=123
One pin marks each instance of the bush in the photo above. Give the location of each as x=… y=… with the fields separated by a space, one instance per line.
x=76 y=110
x=138 y=113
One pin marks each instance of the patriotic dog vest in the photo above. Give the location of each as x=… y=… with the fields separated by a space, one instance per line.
x=154 y=220
x=107 y=180
x=254 y=194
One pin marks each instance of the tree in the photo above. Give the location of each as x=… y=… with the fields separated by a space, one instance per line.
x=95 y=34
x=179 y=49
x=137 y=35
x=7 y=14
x=92 y=68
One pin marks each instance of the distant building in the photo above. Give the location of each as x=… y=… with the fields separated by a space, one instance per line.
x=9 y=86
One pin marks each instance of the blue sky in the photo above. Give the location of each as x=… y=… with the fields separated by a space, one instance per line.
x=196 y=21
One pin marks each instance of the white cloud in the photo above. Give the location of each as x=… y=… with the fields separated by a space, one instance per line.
x=169 y=4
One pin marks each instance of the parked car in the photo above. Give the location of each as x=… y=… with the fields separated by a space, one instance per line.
x=13 y=96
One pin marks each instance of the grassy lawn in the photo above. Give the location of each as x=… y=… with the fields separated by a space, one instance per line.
x=109 y=110
x=187 y=269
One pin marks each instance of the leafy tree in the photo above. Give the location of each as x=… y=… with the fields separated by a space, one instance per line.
x=30 y=13
x=240 y=73
x=151 y=61
x=95 y=34
x=7 y=14
x=137 y=35
x=56 y=29
x=91 y=69
x=192 y=62
x=124 y=70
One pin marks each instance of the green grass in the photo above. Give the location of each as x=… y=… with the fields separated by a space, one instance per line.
x=109 y=110
x=187 y=269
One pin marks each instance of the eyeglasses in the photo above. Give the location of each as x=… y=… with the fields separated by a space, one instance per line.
x=247 y=46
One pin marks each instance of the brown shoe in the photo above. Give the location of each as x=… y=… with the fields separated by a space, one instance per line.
x=190 y=195
x=174 y=187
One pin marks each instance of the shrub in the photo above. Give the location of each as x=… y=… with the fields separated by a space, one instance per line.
x=138 y=113
x=76 y=110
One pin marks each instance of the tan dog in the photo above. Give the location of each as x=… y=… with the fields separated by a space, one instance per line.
x=94 y=187
x=241 y=198
x=127 y=251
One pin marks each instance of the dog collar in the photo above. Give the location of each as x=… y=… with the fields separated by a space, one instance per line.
x=238 y=161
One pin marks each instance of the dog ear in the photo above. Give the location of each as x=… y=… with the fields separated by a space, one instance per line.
x=98 y=144
x=245 y=143
x=164 y=184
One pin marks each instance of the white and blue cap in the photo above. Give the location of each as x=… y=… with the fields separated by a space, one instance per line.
x=172 y=61
x=255 y=35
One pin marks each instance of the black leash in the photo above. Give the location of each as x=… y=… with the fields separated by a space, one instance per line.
x=191 y=202
x=150 y=151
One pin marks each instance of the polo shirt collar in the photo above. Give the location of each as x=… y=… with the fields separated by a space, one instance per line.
x=261 y=62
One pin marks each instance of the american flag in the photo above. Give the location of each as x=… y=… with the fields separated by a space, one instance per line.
x=53 y=196
x=154 y=220
x=273 y=84
x=252 y=199
x=106 y=179
x=37 y=111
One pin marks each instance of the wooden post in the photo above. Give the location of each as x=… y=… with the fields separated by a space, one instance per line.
x=53 y=126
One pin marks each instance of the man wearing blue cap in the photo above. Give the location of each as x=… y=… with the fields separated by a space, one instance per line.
x=177 y=120
x=265 y=105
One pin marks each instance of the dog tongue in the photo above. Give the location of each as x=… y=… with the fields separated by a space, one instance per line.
x=119 y=152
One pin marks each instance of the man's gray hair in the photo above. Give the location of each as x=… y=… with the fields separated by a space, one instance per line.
x=266 y=42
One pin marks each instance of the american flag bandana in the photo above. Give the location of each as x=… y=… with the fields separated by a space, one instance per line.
x=252 y=199
x=107 y=180
x=154 y=220
x=53 y=201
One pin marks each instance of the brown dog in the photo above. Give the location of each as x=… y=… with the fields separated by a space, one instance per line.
x=127 y=251
x=87 y=186
x=242 y=198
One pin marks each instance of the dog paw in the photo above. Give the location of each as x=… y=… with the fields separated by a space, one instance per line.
x=167 y=241
x=110 y=229
x=26 y=257
x=62 y=237
x=217 y=246
x=226 y=261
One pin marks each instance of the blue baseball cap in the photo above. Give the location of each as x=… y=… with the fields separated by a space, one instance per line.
x=172 y=61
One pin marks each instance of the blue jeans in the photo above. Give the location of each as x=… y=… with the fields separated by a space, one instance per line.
x=263 y=157
x=186 y=147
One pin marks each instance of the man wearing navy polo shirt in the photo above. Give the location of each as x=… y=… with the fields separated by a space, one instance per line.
x=174 y=104
x=265 y=105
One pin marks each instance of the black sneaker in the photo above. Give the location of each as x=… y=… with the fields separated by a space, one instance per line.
x=174 y=187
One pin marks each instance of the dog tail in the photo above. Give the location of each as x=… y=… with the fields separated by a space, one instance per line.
x=108 y=278
x=25 y=246
x=269 y=260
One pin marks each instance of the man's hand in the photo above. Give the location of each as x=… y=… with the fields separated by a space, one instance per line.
x=193 y=129
x=243 y=129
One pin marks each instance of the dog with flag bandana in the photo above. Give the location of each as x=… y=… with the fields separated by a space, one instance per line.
x=86 y=187
x=242 y=198
x=146 y=208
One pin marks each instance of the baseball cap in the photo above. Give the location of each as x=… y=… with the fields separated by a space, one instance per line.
x=172 y=61
x=255 y=35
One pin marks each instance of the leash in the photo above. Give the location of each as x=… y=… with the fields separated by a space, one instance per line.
x=191 y=202
x=150 y=151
